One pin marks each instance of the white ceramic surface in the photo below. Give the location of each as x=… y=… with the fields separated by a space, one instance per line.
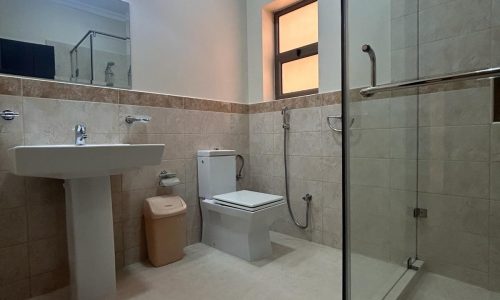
x=70 y=161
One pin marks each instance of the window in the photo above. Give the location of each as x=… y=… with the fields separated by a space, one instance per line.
x=296 y=50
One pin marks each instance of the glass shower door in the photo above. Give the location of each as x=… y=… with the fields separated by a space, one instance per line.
x=382 y=147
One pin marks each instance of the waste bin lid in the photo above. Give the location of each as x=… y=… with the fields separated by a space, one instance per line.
x=164 y=206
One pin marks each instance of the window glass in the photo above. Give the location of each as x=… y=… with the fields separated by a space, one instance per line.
x=300 y=75
x=298 y=28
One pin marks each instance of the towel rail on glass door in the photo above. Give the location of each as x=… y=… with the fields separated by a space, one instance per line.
x=470 y=75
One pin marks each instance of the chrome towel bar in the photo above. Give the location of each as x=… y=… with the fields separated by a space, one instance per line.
x=470 y=75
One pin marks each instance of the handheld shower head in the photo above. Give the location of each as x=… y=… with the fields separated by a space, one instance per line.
x=286 y=121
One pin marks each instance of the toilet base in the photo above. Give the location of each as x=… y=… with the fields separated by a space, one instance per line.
x=240 y=233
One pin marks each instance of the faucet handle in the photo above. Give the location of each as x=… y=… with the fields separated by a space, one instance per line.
x=81 y=128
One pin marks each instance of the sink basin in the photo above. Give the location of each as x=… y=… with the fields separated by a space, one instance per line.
x=89 y=217
x=70 y=161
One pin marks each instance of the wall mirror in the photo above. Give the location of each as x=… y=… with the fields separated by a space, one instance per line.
x=79 y=41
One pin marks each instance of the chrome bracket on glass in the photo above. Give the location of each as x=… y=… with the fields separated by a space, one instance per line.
x=420 y=212
x=141 y=119
x=8 y=115
x=331 y=120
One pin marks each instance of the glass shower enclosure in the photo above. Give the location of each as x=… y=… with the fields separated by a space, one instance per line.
x=421 y=156
x=102 y=59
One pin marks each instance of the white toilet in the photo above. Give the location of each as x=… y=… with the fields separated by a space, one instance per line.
x=236 y=222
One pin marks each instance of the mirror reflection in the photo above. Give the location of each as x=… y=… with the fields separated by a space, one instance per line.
x=67 y=40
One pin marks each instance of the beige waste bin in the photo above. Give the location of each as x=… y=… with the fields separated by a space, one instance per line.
x=165 y=218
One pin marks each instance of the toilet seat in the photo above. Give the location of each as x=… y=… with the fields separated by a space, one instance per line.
x=248 y=200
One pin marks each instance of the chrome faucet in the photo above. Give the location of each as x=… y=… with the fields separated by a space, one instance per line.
x=80 y=134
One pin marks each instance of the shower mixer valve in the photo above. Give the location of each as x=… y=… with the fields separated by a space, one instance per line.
x=308 y=198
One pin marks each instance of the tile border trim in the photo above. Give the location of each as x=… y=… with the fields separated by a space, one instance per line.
x=36 y=88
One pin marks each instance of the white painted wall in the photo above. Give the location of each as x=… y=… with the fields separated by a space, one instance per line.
x=369 y=23
x=190 y=48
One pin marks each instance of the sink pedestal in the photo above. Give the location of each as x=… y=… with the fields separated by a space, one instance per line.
x=89 y=217
x=91 y=251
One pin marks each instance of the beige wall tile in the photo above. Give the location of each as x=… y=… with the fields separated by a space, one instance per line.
x=367 y=143
x=8 y=140
x=47 y=220
x=133 y=233
x=441 y=21
x=454 y=178
x=495 y=142
x=136 y=254
x=304 y=167
x=133 y=202
x=494 y=219
x=304 y=143
x=404 y=64
x=16 y=290
x=453 y=107
x=331 y=169
x=403 y=174
x=403 y=143
x=370 y=172
x=262 y=144
x=13 y=264
x=13 y=226
x=404 y=31
x=58 y=116
x=60 y=90
x=403 y=7
x=332 y=195
x=442 y=246
x=239 y=124
x=10 y=86
x=461 y=273
x=495 y=256
x=371 y=114
x=495 y=181
x=455 y=213
x=470 y=143
x=404 y=111
x=261 y=123
x=304 y=119
x=331 y=144
x=50 y=281
x=48 y=255
x=370 y=201
x=40 y=191
x=12 y=191
x=261 y=165
x=216 y=122
x=457 y=54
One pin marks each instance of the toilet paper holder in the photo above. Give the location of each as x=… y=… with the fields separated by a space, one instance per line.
x=167 y=179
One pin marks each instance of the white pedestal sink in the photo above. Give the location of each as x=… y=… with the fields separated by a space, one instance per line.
x=86 y=171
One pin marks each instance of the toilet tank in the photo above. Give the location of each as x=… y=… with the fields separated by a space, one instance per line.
x=216 y=172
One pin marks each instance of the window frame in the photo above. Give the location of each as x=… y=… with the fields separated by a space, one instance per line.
x=290 y=55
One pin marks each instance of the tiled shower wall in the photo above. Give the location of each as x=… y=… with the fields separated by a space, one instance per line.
x=33 y=255
x=457 y=143
x=314 y=165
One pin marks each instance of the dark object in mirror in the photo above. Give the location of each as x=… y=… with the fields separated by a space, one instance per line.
x=27 y=59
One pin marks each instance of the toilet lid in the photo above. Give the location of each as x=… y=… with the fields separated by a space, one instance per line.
x=248 y=199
